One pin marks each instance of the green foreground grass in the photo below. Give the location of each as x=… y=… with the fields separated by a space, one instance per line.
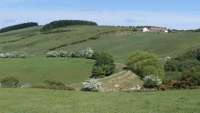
x=36 y=70
x=50 y=101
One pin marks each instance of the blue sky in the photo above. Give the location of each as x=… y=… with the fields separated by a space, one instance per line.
x=180 y=14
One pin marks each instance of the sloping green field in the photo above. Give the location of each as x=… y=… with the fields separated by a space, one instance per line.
x=50 y=101
x=120 y=42
x=35 y=71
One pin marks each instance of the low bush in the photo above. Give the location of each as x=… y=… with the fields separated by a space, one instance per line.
x=104 y=65
x=184 y=70
x=13 y=55
x=91 y=85
x=83 y=53
x=86 y=53
x=143 y=63
x=10 y=82
x=52 y=54
x=56 y=85
x=151 y=81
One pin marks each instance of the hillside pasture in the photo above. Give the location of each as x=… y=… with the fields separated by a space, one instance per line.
x=35 y=71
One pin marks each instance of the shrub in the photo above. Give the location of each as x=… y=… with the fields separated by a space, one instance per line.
x=192 y=54
x=13 y=55
x=151 y=81
x=10 y=82
x=180 y=64
x=19 y=26
x=104 y=65
x=91 y=85
x=63 y=53
x=57 y=85
x=184 y=69
x=52 y=54
x=64 y=23
x=84 y=53
x=143 y=63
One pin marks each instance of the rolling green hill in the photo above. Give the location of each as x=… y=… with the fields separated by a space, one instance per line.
x=120 y=42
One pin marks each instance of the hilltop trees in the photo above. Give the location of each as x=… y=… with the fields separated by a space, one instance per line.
x=18 y=26
x=63 y=23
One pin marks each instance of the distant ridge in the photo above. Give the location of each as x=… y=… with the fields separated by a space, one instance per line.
x=18 y=26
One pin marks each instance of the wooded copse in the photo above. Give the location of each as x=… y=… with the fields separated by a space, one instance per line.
x=63 y=23
x=18 y=26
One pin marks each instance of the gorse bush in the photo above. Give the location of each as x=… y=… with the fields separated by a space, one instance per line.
x=10 y=82
x=91 y=85
x=104 y=65
x=184 y=69
x=143 y=63
x=181 y=64
x=64 y=23
x=19 y=26
x=152 y=81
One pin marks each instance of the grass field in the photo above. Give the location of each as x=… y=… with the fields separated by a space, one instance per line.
x=119 y=42
x=36 y=70
x=50 y=101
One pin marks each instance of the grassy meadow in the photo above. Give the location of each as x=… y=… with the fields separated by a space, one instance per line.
x=119 y=42
x=36 y=70
x=52 y=101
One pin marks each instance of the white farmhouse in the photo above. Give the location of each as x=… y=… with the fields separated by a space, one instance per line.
x=145 y=30
x=166 y=31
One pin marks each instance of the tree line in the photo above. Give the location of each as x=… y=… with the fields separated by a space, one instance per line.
x=63 y=23
x=18 y=26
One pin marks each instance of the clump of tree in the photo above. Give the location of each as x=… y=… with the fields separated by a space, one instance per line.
x=64 y=23
x=184 y=71
x=104 y=65
x=144 y=64
x=18 y=26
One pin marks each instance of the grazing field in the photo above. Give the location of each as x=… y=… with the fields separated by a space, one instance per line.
x=120 y=42
x=36 y=70
x=51 y=101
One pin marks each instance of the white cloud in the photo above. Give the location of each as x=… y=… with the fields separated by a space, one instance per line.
x=168 y=19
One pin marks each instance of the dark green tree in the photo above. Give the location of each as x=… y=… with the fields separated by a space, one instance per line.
x=104 y=65
x=18 y=26
x=144 y=64
x=64 y=23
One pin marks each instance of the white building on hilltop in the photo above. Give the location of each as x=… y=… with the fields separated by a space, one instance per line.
x=145 y=30
x=155 y=29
